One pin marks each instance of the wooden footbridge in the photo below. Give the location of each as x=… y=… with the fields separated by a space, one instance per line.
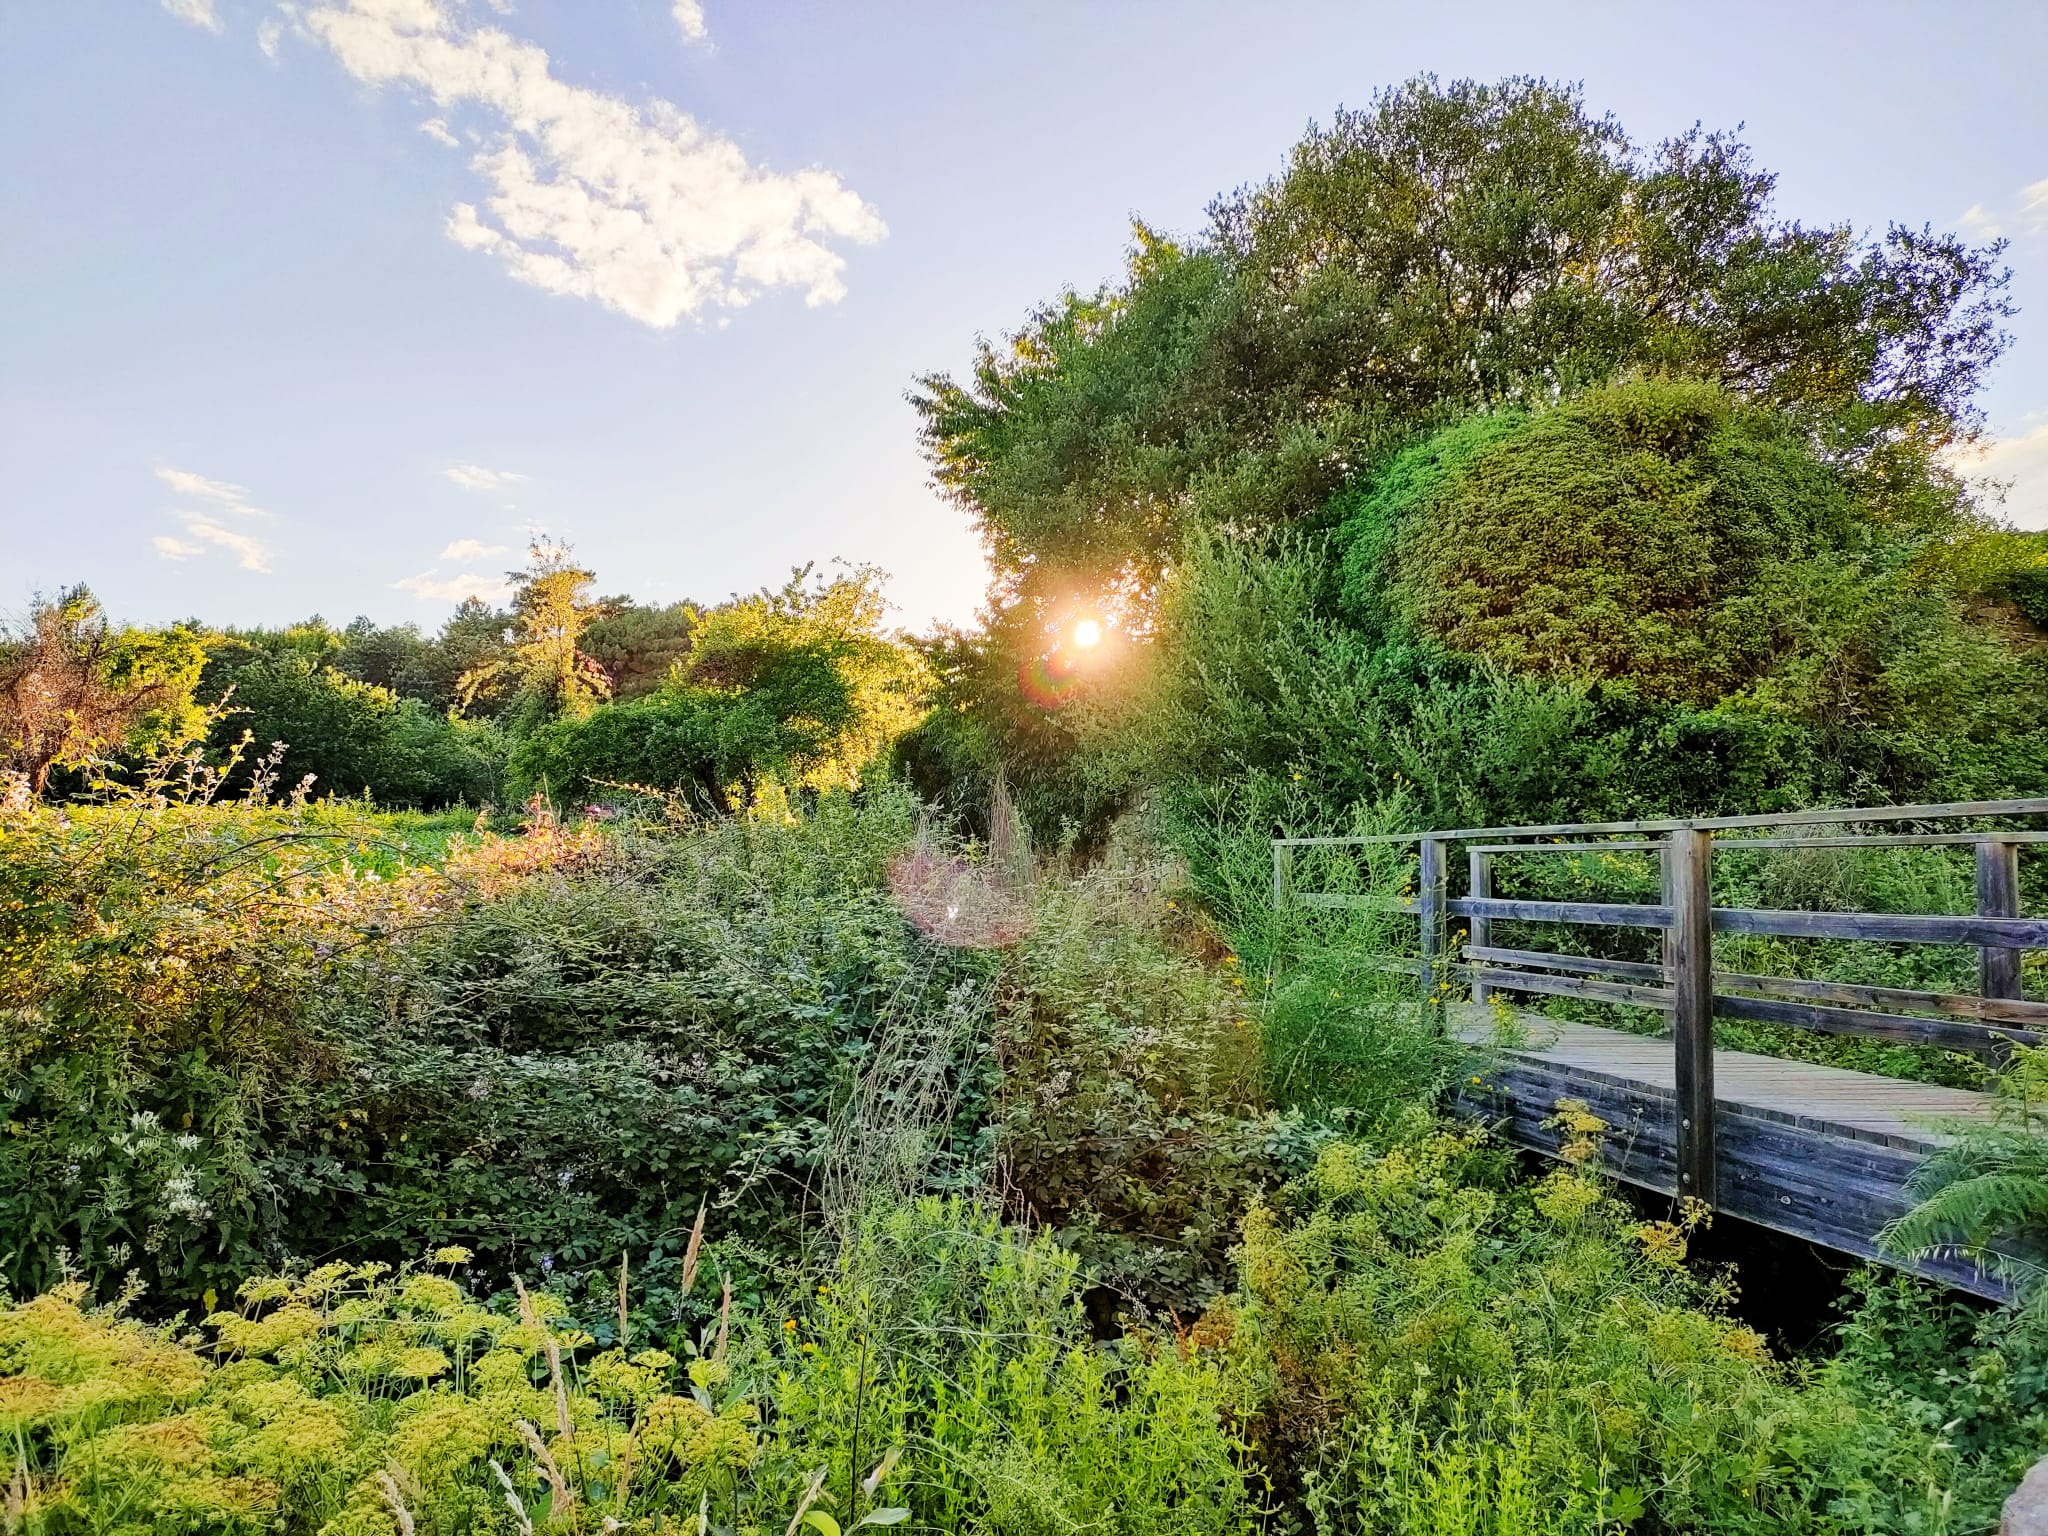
x=1819 y=1152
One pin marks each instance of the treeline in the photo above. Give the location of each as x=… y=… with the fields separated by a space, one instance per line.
x=1486 y=466
x=561 y=691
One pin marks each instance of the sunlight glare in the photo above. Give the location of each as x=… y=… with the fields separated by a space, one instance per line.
x=1088 y=634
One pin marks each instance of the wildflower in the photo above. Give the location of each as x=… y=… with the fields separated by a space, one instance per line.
x=789 y=1325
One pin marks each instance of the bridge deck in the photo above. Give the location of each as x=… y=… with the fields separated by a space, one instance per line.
x=1818 y=1152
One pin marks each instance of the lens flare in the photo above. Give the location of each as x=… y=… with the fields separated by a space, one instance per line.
x=1088 y=634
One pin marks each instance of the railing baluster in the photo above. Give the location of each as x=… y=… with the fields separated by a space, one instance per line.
x=1430 y=898
x=1283 y=874
x=1689 y=957
x=1998 y=895
x=1481 y=865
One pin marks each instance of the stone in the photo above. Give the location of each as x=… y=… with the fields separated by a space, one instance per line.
x=2026 y=1512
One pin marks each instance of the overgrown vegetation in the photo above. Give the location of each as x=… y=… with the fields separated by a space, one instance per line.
x=871 y=1083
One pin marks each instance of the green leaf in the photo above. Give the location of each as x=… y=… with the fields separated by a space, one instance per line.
x=883 y=1517
x=821 y=1522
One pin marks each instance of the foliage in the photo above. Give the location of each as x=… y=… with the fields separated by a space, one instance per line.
x=1425 y=1335
x=1130 y=1121
x=1449 y=248
x=940 y=1334
x=544 y=670
x=75 y=692
x=1984 y=1193
x=797 y=688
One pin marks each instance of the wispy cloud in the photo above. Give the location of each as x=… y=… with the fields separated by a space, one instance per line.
x=436 y=128
x=432 y=586
x=196 y=13
x=689 y=15
x=473 y=549
x=204 y=525
x=642 y=209
x=476 y=477
x=269 y=33
x=2021 y=461
x=2024 y=215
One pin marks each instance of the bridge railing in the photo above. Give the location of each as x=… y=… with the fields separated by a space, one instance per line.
x=1685 y=984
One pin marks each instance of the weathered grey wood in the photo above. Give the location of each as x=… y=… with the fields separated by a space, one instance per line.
x=1479 y=865
x=1283 y=874
x=1356 y=901
x=1868 y=815
x=1888 y=927
x=1578 y=965
x=1880 y=840
x=1958 y=1005
x=1836 y=1176
x=1573 y=986
x=1943 y=1034
x=1689 y=957
x=1998 y=895
x=1431 y=891
x=1610 y=914
x=1639 y=845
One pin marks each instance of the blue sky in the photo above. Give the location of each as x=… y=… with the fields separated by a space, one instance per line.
x=320 y=307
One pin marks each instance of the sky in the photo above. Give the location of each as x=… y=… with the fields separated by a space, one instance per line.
x=325 y=307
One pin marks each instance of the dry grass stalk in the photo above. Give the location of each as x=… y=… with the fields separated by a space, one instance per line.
x=388 y=1486
x=694 y=1247
x=512 y=1498
x=563 y=1496
x=625 y=1329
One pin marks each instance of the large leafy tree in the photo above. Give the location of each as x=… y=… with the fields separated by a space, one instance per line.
x=545 y=665
x=74 y=690
x=1449 y=248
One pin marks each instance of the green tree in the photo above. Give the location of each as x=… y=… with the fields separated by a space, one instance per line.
x=74 y=691
x=1450 y=248
x=545 y=665
x=798 y=687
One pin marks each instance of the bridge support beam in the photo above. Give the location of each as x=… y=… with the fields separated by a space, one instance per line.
x=1689 y=961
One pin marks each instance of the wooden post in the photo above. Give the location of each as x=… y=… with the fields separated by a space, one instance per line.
x=1998 y=895
x=1283 y=874
x=1689 y=956
x=1432 y=895
x=1481 y=865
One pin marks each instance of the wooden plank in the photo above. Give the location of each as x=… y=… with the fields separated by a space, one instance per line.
x=1990 y=1010
x=1355 y=901
x=1641 y=845
x=1998 y=895
x=1778 y=1170
x=1888 y=927
x=1868 y=815
x=1943 y=1034
x=1283 y=874
x=1608 y=914
x=1479 y=868
x=1578 y=965
x=1689 y=957
x=1880 y=840
x=1659 y=998
x=1431 y=893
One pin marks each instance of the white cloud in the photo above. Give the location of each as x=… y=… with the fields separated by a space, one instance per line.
x=464 y=550
x=2023 y=461
x=644 y=210
x=689 y=16
x=2025 y=215
x=185 y=483
x=433 y=586
x=196 y=13
x=205 y=525
x=2032 y=212
x=475 y=477
x=436 y=128
x=269 y=32
x=250 y=553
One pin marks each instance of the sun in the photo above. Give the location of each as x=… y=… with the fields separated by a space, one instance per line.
x=1087 y=634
